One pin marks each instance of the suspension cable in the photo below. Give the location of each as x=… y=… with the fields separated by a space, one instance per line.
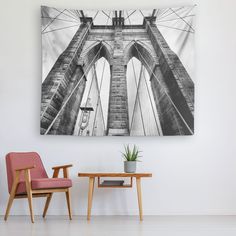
x=162 y=87
x=164 y=16
x=100 y=86
x=182 y=19
x=158 y=128
x=149 y=95
x=137 y=94
x=47 y=17
x=52 y=20
x=145 y=61
x=66 y=14
x=138 y=100
x=81 y=41
x=77 y=13
x=106 y=14
x=101 y=79
x=130 y=14
x=175 y=18
x=188 y=11
x=60 y=28
x=164 y=12
x=90 y=88
x=99 y=99
x=137 y=97
x=170 y=27
x=78 y=83
x=72 y=13
x=97 y=81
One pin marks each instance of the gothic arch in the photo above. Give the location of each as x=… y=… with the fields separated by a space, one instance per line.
x=170 y=107
x=100 y=49
x=142 y=53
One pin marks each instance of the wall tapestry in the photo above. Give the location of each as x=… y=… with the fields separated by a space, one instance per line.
x=117 y=73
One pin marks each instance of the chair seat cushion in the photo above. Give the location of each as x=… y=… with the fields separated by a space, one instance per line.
x=45 y=183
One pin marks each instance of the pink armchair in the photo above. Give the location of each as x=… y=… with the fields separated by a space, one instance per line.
x=27 y=178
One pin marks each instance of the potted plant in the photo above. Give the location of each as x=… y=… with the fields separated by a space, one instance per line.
x=131 y=157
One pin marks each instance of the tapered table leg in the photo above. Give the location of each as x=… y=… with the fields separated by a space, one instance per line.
x=138 y=184
x=90 y=196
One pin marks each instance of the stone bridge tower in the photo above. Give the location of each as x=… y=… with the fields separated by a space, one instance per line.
x=172 y=87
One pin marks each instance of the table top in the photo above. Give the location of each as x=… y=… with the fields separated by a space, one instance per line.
x=113 y=174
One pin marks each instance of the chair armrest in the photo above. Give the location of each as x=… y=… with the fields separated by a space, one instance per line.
x=61 y=167
x=65 y=171
x=27 y=177
x=25 y=168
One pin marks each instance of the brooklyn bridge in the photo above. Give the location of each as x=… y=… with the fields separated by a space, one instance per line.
x=72 y=91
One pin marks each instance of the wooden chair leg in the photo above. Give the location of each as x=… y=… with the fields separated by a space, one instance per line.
x=29 y=194
x=47 y=204
x=90 y=196
x=12 y=194
x=68 y=203
x=138 y=183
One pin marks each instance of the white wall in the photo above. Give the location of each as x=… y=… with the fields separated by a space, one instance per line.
x=191 y=175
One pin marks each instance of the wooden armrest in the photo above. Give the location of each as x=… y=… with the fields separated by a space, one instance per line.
x=65 y=171
x=61 y=167
x=25 y=168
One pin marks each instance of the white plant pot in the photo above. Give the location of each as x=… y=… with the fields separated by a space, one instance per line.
x=130 y=166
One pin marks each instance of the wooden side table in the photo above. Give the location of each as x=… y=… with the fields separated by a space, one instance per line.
x=92 y=177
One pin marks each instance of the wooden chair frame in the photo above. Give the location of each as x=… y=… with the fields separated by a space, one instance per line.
x=30 y=193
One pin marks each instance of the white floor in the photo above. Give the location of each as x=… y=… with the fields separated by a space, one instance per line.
x=121 y=225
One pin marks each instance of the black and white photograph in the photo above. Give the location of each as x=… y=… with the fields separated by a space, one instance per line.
x=117 y=72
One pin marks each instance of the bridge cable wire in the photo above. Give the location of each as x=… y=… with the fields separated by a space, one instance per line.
x=63 y=13
x=78 y=83
x=56 y=18
x=145 y=61
x=171 y=13
x=77 y=13
x=158 y=130
x=99 y=100
x=137 y=99
x=130 y=14
x=87 y=100
x=100 y=86
x=190 y=26
x=94 y=70
x=137 y=83
x=163 y=12
x=173 y=19
x=187 y=12
x=177 y=10
x=73 y=14
x=107 y=14
x=81 y=41
x=188 y=31
x=162 y=87
x=60 y=12
x=60 y=28
x=47 y=17
x=149 y=95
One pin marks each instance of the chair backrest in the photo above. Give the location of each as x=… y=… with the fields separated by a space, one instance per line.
x=15 y=160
